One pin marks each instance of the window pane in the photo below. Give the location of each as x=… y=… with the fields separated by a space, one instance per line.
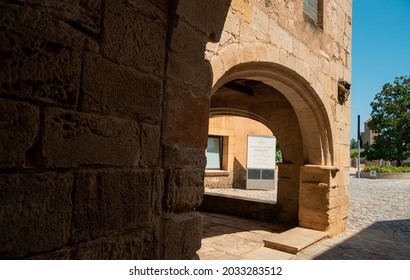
x=213 y=153
x=311 y=8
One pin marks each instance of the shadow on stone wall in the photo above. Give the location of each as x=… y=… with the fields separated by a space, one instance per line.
x=387 y=240
x=239 y=175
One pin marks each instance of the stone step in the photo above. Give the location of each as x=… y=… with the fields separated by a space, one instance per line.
x=264 y=253
x=294 y=240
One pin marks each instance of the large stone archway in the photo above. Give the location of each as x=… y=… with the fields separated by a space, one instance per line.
x=290 y=107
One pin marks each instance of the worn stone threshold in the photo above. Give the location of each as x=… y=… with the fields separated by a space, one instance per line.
x=282 y=246
x=294 y=240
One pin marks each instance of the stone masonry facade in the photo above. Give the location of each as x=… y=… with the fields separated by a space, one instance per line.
x=104 y=110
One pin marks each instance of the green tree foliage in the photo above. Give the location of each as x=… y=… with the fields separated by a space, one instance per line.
x=353 y=144
x=391 y=121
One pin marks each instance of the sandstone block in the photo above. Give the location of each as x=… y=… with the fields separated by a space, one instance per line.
x=110 y=88
x=230 y=57
x=114 y=201
x=187 y=108
x=243 y=7
x=136 y=245
x=150 y=145
x=36 y=68
x=182 y=235
x=134 y=34
x=182 y=156
x=187 y=51
x=260 y=20
x=314 y=201
x=208 y=16
x=74 y=139
x=184 y=189
x=35 y=213
x=79 y=13
x=19 y=125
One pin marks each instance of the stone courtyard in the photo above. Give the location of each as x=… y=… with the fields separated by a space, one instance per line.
x=378 y=227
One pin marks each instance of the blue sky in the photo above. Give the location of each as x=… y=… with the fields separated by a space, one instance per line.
x=380 y=51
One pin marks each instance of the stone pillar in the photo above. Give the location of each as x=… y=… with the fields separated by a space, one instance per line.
x=323 y=199
x=288 y=192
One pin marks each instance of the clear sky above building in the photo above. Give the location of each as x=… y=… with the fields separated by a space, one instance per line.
x=380 y=51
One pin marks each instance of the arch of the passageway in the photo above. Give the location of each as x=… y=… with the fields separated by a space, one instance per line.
x=301 y=123
x=310 y=109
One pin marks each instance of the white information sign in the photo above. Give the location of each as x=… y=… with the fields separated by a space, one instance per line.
x=261 y=152
x=261 y=162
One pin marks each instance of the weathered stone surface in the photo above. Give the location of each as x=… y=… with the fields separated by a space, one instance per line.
x=243 y=7
x=188 y=108
x=134 y=34
x=19 y=125
x=184 y=189
x=182 y=235
x=35 y=68
x=35 y=213
x=150 y=145
x=110 y=88
x=136 y=245
x=182 y=156
x=76 y=139
x=78 y=13
x=208 y=16
x=186 y=50
x=106 y=202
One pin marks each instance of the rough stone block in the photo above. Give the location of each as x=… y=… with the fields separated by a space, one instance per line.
x=184 y=189
x=260 y=20
x=134 y=34
x=110 y=88
x=181 y=156
x=78 y=13
x=35 y=68
x=114 y=201
x=19 y=125
x=229 y=56
x=314 y=201
x=150 y=145
x=313 y=215
x=74 y=139
x=243 y=7
x=187 y=51
x=186 y=108
x=182 y=235
x=208 y=16
x=136 y=245
x=35 y=213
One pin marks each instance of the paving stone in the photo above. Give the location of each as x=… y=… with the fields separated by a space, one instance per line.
x=264 y=253
x=378 y=226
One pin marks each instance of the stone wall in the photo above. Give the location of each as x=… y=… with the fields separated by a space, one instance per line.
x=103 y=124
x=275 y=42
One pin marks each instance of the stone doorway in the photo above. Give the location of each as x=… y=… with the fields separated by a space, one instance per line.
x=286 y=103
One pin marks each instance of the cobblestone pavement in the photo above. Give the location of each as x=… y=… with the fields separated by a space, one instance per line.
x=378 y=225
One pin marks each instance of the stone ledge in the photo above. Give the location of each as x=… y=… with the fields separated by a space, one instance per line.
x=398 y=176
x=240 y=207
x=217 y=173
